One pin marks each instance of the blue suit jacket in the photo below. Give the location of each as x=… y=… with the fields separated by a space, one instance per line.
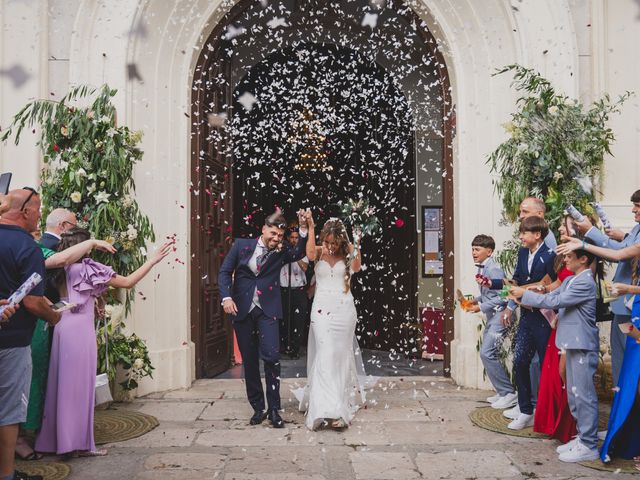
x=542 y=265
x=623 y=272
x=49 y=241
x=236 y=280
x=576 y=302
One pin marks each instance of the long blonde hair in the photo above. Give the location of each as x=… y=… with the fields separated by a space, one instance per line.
x=336 y=228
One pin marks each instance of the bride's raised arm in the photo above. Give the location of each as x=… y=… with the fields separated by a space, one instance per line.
x=312 y=249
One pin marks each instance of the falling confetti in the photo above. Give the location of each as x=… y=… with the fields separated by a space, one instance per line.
x=17 y=74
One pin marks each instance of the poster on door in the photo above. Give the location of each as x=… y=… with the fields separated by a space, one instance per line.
x=432 y=241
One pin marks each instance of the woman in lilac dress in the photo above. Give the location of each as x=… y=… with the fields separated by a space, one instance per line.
x=67 y=425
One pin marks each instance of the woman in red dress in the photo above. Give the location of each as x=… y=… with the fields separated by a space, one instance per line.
x=552 y=415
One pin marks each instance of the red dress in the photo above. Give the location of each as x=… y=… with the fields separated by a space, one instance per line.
x=553 y=416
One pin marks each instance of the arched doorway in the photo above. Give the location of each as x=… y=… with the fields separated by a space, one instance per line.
x=384 y=108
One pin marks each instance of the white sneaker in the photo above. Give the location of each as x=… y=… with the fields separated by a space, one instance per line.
x=494 y=398
x=579 y=453
x=508 y=401
x=512 y=413
x=567 y=446
x=602 y=435
x=523 y=421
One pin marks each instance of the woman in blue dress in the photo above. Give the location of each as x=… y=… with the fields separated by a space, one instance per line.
x=623 y=434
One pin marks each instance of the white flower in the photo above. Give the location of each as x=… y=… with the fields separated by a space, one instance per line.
x=102 y=197
x=81 y=172
x=138 y=363
x=111 y=132
x=108 y=310
x=91 y=188
x=523 y=147
x=557 y=176
x=127 y=201
x=553 y=110
x=105 y=119
x=569 y=102
x=76 y=197
x=131 y=232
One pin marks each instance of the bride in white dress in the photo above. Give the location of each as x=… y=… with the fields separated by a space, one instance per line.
x=335 y=372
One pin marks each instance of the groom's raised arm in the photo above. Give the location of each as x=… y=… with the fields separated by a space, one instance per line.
x=225 y=275
x=299 y=251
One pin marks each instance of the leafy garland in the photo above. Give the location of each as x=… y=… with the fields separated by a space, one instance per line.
x=555 y=148
x=88 y=169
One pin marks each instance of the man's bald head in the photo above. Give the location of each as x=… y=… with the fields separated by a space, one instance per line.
x=532 y=207
x=5 y=203
x=60 y=220
x=24 y=209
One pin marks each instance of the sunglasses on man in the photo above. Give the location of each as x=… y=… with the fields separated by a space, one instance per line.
x=33 y=192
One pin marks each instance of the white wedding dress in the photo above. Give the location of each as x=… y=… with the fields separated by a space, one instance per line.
x=336 y=380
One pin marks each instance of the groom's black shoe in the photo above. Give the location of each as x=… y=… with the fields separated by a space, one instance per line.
x=276 y=419
x=258 y=417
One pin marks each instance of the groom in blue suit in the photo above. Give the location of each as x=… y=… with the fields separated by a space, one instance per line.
x=249 y=282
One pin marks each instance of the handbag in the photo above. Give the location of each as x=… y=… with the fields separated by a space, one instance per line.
x=603 y=309
x=103 y=391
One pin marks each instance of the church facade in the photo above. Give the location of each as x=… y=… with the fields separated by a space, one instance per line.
x=176 y=64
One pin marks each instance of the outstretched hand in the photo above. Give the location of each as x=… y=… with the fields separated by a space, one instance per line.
x=161 y=252
x=569 y=246
x=104 y=246
x=302 y=218
x=309 y=218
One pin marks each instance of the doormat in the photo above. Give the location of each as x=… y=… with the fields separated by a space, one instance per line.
x=111 y=426
x=48 y=470
x=492 y=419
x=617 y=465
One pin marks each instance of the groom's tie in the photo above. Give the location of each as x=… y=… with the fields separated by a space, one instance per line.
x=262 y=258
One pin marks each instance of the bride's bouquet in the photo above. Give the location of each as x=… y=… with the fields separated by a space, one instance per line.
x=360 y=216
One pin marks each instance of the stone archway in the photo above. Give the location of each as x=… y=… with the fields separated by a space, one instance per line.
x=390 y=298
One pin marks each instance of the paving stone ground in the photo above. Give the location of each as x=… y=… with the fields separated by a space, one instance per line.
x=413 y=427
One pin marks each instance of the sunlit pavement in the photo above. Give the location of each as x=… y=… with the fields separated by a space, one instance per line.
x=413 y=427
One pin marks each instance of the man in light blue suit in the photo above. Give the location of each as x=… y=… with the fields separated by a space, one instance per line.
x=623 y=275
x=491 y=305
x=577 y=335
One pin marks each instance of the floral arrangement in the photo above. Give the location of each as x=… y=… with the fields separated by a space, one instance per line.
x=555 y=149
x=360 y=216
x=88 y=169
x=128 y=351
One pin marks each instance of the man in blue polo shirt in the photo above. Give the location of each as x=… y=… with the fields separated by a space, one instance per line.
x=20 y=257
